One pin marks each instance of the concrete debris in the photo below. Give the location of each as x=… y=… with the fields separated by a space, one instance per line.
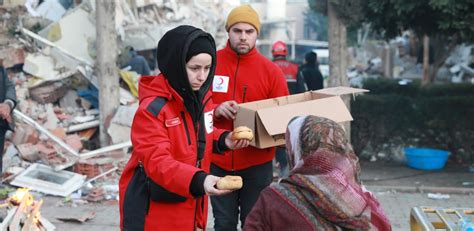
x=83 y=126
x=28 y=152
x=438 y=196
x=50 y=9
x=48 y=93
x=94 y=166
x=461 y=63
x=44 y=179
x=81 y=218
x=96 y=194
x=398 y=59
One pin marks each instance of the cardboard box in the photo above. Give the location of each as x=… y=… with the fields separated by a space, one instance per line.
x=269 y=118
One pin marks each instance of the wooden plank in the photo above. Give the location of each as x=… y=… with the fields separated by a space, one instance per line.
x=6 y=221
x=19 y=214
x=30 y=223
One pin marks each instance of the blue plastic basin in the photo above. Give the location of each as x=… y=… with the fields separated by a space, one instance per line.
x=426 y=158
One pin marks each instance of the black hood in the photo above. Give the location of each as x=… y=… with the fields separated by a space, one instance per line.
x=171 y=56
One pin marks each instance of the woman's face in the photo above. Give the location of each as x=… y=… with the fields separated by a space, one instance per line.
x=197 y=69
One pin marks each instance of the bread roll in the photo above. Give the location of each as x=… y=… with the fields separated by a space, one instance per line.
x=242 y=132
x=230 y=182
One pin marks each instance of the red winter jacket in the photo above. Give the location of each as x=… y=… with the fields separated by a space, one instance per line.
x=244 y=78
x=290 y=70
x=165 y=143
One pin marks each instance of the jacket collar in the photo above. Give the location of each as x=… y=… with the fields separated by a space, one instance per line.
x=252 y=53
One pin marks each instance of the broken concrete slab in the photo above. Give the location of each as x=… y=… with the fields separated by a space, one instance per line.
x=83 y=119
x=48 y=92
x=59 y=132
x=119 y=133
x=28 y=152
x=42 y=66
x=83 y=126
x=13 y=3
x=79 y=218
x=8 y=157
x=51 y=9
x=100 y=151
x=94 y=166
x=14 y=55
x=31 y=122
x=77 y=33
x=24 y=134
x=69 y=99
x=74 y=141
x=124 y=115
x=44 y=179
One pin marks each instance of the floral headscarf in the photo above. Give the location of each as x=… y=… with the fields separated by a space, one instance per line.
x=324 y=178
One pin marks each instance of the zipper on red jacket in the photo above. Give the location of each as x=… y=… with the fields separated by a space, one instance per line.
x=233 y=95
x=235 y=75
x=186 y=127
x=196 y=131
x=245 y=94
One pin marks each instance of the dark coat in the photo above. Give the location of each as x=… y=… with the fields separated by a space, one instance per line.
x=7 y=91
x=312 y=77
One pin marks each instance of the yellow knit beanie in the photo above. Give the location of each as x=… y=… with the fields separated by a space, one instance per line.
x=244 y=13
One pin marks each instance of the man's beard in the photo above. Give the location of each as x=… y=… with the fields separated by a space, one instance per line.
x=243 y=50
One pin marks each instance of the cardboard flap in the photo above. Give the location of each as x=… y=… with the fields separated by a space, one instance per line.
x=275 y=120
x=246 y=117
x=341 y=90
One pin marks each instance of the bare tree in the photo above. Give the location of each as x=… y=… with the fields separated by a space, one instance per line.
x=337 y=38
x=106 y=67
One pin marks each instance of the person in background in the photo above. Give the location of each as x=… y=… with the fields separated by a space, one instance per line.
x=136 y=62
x=165 y=182
x=295 y=85
x=310 y=72
x=323 y=190
x=7 y=104
x=290 y=70
x=242 y=75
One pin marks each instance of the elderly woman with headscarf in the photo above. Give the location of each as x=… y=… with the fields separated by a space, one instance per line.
x=323 y=190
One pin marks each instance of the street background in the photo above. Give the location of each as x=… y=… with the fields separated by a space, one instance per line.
x=397 y=187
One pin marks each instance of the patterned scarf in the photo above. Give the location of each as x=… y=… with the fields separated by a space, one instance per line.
x=324 y=181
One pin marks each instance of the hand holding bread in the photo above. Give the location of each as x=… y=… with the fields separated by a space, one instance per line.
x=230 y=183
x=242 y=132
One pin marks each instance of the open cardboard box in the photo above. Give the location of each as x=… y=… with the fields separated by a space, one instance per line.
x=269 y=118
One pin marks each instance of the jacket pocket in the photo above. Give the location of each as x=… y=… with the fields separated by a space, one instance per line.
x=136 y=202
x=158 y=193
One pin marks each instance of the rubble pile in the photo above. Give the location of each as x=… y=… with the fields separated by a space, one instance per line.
x=399 y=58
x=48 y=50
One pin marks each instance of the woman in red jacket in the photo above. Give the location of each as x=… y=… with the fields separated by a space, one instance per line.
x=164 y=184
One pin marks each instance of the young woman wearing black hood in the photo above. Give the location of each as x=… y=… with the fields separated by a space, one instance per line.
x=165 y=184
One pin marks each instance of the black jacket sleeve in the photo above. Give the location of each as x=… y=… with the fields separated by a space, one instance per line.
x=197 y=184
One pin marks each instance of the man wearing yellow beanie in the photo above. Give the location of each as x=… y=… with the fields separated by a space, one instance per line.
x=242 y=75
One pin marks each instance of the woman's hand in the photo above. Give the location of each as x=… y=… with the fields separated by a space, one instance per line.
x=209 y=186
x=227 y=109
x=235 y=144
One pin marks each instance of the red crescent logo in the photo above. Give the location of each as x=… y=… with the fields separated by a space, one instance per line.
x=221 y=81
